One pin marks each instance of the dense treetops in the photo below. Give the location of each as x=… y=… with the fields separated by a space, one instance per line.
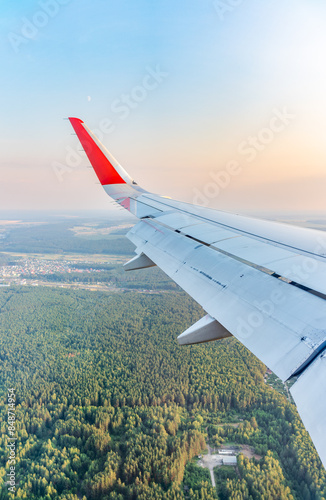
x=109 y=406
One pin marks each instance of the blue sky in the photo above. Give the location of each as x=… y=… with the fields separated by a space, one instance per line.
x=222 y=71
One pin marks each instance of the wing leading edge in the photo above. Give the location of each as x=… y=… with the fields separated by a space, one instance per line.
x=261 y=281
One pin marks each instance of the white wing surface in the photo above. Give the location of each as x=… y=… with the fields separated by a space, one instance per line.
x=263 y=282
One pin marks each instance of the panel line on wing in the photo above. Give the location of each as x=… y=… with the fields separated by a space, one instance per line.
x=243 y=231
x=248 y=263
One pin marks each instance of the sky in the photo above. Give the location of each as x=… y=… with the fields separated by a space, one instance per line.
x=215 y=102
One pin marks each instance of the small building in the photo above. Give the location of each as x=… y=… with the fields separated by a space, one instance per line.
x=229 y=460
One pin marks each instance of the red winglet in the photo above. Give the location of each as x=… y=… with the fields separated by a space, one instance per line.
x=104 y=169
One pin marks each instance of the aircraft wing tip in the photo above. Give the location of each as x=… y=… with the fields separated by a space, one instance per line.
x=73 y=119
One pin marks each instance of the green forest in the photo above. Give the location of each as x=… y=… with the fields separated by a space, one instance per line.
x=58 y=237
x=109 y=406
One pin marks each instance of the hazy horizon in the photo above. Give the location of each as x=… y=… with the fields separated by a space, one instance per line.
x=222 y=107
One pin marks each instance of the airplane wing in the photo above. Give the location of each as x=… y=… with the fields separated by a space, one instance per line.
x=263 y=282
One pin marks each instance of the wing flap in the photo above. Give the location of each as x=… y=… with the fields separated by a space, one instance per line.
x=309 y=395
